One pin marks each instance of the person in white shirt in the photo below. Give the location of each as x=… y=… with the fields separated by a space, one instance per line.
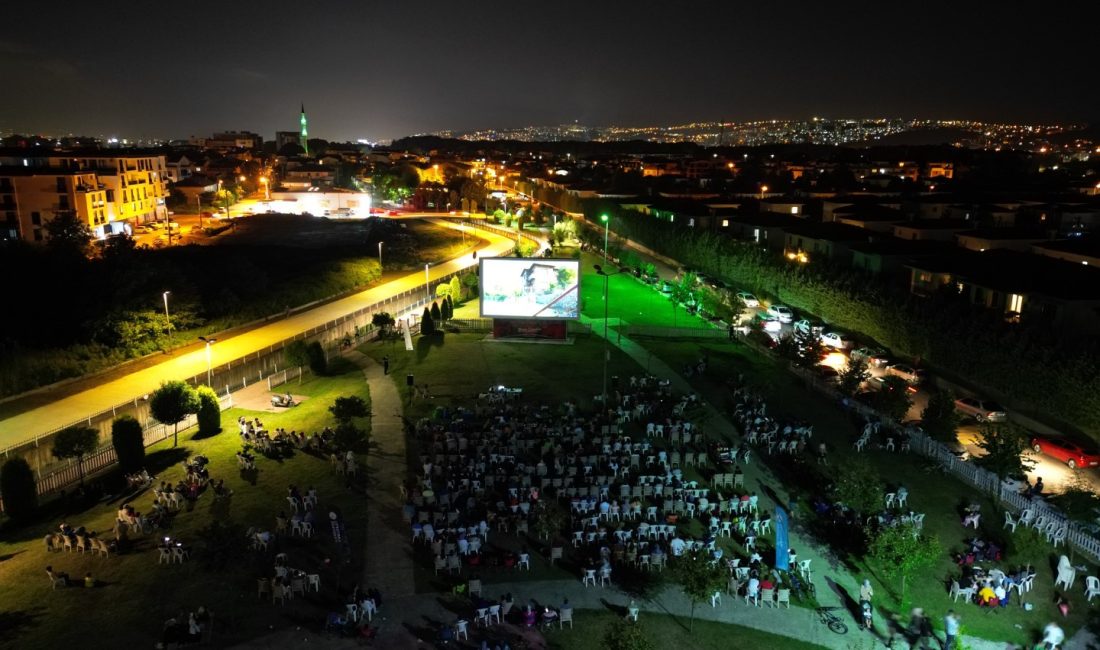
x=753 y=588
x=677 y=546
x=1053 y=636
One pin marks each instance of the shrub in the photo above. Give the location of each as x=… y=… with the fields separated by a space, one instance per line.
x=627 y=635
x=129 y=443
x=427 y=324
x=210 y=411
x=318 y=364
x=17 y=488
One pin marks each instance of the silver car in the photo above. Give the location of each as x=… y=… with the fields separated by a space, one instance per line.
x=981 y=410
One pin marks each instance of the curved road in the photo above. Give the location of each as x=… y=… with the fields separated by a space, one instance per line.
x=25 y=427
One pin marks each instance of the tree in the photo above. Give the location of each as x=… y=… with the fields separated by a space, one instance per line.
x=76 y=442
x=437 y=315
x=209 y=412
x=348 y=437
x=550 y=518
x=173 y=402
x=67 y=233
x=427 y=325
x=129 y=442
x=470 y=281
x=902 y=551
x=344 y=409
x=383 y=320
x=445 y=310
x=858 y=485
x=939 y=419
x=808 y=350
x=1005 y=445
x=625 y=634
x=1078 y=502
x=18 y=490
x=456 y=288
x=853 y=377
x=699 y=576
x=318 y=363
x=296 y=354
x=683 y=292
x=892 y=399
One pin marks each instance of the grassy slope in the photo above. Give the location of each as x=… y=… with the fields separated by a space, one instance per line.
x=940 y=497
x=667 y=632
x=139 y=594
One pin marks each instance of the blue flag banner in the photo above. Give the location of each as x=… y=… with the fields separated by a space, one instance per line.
x=782 y=544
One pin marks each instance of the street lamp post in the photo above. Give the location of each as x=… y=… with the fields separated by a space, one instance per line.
x=427 y=284
x=379 y=256
x=167 y=319
x=606 y=302
x=606 y=227
x=209 y=365
x=763 y=189
x=267 y=188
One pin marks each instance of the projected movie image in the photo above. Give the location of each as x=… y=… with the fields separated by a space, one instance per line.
x=514 y=287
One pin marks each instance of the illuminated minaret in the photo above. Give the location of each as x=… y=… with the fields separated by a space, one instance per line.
x=305 y=131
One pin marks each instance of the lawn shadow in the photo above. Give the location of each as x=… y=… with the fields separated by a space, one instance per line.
x=846 y=600
x=12 y=622
x=425 y=344
x=5 y=558
x=200 y=435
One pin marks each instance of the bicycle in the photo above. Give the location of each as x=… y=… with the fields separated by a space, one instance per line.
x=831 y=620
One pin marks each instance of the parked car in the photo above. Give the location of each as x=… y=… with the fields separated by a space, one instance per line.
x=837 y=340
x=914 y=376
x=1072 y=453
x=880 y=384
x=874 y=357
x=748 y=300
x=981 y=410
x=781 y=313
x=806 y=326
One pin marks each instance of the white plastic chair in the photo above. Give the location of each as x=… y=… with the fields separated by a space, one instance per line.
x=1010 y=522
x=1092 y=587
x=589 y=576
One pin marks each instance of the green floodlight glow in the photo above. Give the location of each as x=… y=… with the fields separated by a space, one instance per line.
x=603 y=218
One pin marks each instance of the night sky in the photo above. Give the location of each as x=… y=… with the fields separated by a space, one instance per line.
x=382 y=69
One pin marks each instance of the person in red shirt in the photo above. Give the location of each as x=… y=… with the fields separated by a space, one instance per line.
x=766 y=583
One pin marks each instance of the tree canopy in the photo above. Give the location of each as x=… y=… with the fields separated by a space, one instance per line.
x=172 y=403
x=76 y=442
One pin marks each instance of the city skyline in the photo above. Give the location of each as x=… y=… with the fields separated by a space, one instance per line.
x=380 y=72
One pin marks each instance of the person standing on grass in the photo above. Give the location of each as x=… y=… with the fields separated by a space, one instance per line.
x=385 y=365
x=950 y=629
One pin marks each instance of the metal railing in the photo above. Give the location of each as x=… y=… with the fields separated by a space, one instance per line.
x=104 y=457
x=405 y=301
x=978 y=477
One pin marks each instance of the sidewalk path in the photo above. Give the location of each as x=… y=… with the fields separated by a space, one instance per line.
x=23 y=427
x=388 y=565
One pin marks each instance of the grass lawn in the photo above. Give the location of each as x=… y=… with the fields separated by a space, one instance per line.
x=631 y=299
x=137 y=595
x=459 y=366
x=940 y=496
x=667 y=632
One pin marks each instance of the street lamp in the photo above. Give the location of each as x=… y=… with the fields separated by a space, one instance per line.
x=209 y=367
x=606 y=350
x=166 y=318
x=267 y=188
x=379 y=256
x=427 y=283
x=763 y=189
x=606 y=226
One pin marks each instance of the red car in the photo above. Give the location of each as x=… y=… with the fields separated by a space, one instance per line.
x=1071 y=453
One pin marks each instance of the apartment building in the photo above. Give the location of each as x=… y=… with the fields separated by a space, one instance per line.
x=31 y=197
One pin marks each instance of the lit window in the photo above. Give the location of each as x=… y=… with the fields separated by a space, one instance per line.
x=794 y=209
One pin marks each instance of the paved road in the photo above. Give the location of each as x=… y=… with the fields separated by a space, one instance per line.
x=24 y=427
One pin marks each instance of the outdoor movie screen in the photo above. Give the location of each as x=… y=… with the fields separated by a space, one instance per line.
x=516 y=287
